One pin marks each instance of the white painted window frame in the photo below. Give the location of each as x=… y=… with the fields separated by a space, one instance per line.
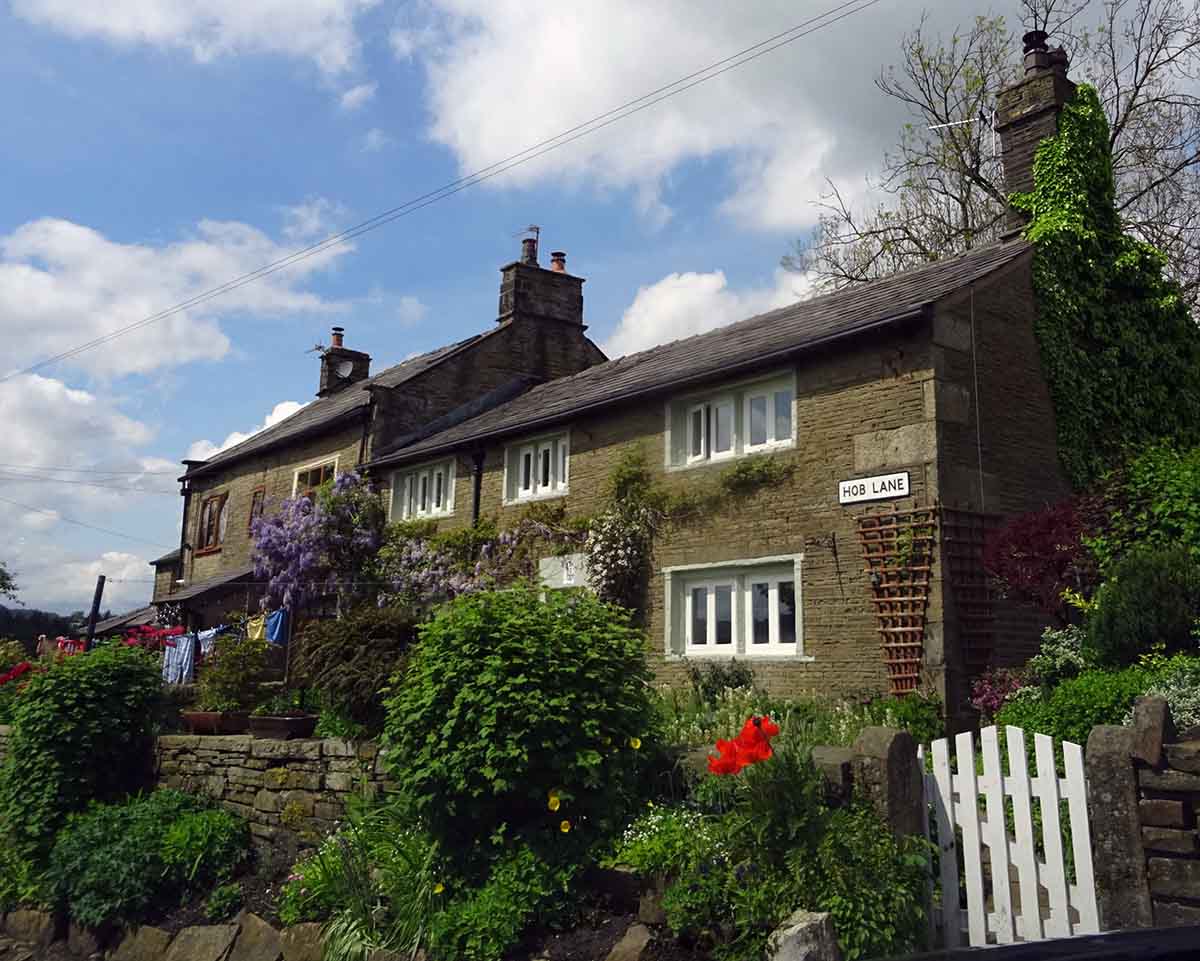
x=317 y=463
x=406 y=488
x=710 y=645
x=559 y=448
x=679 y=580
x=738 y=394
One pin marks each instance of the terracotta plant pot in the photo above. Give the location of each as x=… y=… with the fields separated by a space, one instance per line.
x=216 y=722
x=283 y=728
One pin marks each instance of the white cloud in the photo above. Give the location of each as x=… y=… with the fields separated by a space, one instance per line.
x=500 y=80
x=375 y=140
x=681 y=305
x=357 y=96
x=71 y=455
x=410 y=310
x=322 y=31
x=63 y=284
x=204 y=449
x=314 y=218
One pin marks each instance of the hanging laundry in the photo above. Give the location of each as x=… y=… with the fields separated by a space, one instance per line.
x=277 y=626
x=179 y=659
x=256 y=628
x=209 y=638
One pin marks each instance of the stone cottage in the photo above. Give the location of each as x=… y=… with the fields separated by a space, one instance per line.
x=539 y=335
x=911 y=414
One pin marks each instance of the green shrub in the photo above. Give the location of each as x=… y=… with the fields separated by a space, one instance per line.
x=1070 y=711
x=107 y=864
x=484 y=923
x=871 y=884
x=709 y=681
x=349 y=660
x=81 y=732
x=20 y=881
x=1154 y=501
x=1180 y=685
x=204 y=848
x=1152 y=598
x=769 y=845
x=521 y=713
x=1060 y=658
x=223 y=902
x=231 y=677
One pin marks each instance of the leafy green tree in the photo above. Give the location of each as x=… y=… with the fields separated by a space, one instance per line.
x=8 y=584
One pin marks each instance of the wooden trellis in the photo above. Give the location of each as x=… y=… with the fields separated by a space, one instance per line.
x=897 y=549
x=973 y=597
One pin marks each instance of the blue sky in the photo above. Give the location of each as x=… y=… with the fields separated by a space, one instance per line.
x=154 y=148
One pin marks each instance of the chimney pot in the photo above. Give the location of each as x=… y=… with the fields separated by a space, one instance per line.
x=529 y=252
x=1037 y=55
x=558 y=262
x=337 y=336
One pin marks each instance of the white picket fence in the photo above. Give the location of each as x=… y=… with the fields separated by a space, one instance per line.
x=1041 y=904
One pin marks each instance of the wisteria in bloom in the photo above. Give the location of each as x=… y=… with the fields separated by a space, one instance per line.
x=310 y=549
x=618 y=546
x=418 y=574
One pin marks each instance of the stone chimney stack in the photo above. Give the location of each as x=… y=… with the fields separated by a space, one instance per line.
x=340 y=366
x=1027 y=112
x=530 y=292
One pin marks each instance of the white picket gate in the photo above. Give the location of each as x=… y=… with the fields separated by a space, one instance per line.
x=1041 y=904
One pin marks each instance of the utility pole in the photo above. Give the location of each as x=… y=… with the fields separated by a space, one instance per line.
x=91 y=630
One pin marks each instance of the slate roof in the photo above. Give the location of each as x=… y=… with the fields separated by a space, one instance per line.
x=168 y=558
x=143 y=615
x=325 y=412
x=242 y=574
x=749 y=343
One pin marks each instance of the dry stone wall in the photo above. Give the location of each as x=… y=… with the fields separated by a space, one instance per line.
x=291 y=792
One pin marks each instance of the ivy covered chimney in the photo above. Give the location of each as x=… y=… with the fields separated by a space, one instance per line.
x=340 y=366
x=1027 y=112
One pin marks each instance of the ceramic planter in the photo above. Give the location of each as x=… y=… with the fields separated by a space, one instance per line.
x=216 y=722
x=283 y=728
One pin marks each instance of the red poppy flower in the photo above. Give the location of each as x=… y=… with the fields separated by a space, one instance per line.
x=729 y=760
x=753 y=744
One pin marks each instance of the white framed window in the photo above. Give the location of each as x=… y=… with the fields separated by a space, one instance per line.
x=537 y=469
x=767 y=417
x=308 y=478
x=743 y=419
x=746 y=608
x=427 y=491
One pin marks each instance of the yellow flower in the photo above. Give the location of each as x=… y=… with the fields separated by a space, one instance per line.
x=439 y=888
x=635 y=742
x=565 y=826
x=606 y=740
x=553 y=803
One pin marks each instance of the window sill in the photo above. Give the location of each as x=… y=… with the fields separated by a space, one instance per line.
x=728 y=458
x=442 y=515
x=204 y=552
x=774 y=658
x=518 y=501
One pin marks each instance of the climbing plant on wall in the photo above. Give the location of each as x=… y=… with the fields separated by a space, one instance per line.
x=1120 y=350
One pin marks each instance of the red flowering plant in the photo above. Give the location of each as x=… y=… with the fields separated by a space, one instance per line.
x=150 y=638
x=752 y=745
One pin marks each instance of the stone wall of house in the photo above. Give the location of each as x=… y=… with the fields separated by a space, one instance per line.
x=292 y=792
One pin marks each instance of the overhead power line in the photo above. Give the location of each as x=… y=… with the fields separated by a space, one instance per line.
x=15 y=477
x=599 y=122
x=67 y=520
x=94 y=470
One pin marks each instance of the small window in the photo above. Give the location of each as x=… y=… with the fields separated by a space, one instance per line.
x=722 y=419
x=698 y=434
x=258 y=500
x=710 y=616
x=537 y=470
x=210 y=532
x=424 y=492
x=309 y=479
x=768 y=418
x=744 y=420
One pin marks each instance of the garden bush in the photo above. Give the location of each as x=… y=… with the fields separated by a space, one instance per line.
x=761 y=844
x=81 y=731
x=710 y=681
x=1179 y=683
x=1070 y=710
x=116 y=863
x=521 y=715
x=1060 y=657
x=349 y=659
x=21 y=883
x=1151 y=599
x=1153 y=501
x=232 y=676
